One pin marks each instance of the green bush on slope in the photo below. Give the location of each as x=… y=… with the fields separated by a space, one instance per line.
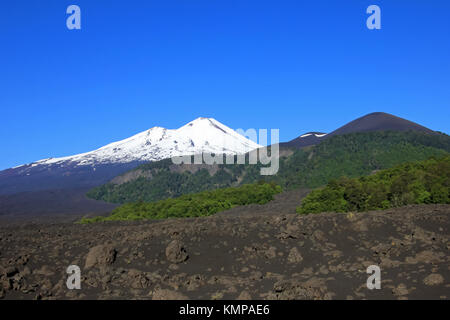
x=194 y=205
x=410 y=183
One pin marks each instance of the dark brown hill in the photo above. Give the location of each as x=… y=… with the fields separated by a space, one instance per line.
x=376 y=121
x=379 y=121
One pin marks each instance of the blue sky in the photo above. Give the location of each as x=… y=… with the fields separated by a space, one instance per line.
x=294 y=65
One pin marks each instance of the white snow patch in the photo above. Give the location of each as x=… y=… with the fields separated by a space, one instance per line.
x=318 y=135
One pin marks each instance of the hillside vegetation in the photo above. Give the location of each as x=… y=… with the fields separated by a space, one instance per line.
x=194 y=205
x=351 y=155
x=422 y=182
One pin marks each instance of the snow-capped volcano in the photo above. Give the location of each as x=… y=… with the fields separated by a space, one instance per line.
x=200 y=135
x=93 y=168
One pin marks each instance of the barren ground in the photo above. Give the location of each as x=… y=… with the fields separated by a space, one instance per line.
x=257 y=252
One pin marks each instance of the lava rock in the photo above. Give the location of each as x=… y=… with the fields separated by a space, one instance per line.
x=100 y=255
x=165 y=294
x=175 y=252
x=294 y=256
x=433 y=279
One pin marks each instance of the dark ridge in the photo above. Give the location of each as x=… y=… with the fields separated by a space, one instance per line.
x=61 y=203
x=54 y=176
x=380 y=121
x=376 y=121
x=301 y=142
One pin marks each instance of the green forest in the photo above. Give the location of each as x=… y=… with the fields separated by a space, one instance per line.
x=421 y=182
x=351 y=155
x=194 y=205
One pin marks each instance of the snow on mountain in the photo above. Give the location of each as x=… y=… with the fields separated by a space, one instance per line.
x=317 y=135
x=200 y=135
x=305 y=140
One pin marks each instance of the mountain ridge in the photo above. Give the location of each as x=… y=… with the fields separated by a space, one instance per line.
x=34 y=182
x=375 y=121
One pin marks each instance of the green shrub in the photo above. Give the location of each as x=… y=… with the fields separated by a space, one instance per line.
x=411 y=183
x=193 y=205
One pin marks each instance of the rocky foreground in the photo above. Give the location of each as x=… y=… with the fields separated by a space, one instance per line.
x=234 y=256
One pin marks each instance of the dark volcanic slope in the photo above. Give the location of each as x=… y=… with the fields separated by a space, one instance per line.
x=63 y=205
x=56 y=177
x=305 y=140
x=376 y=121
x=267 y=256
x=31 y=192
x=283 y=203
x=379 y=121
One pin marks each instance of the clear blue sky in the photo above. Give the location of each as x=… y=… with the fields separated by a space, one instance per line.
x=294 y=65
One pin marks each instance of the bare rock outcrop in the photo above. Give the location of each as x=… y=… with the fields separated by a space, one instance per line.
x=175 y=252
x=100 y=255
